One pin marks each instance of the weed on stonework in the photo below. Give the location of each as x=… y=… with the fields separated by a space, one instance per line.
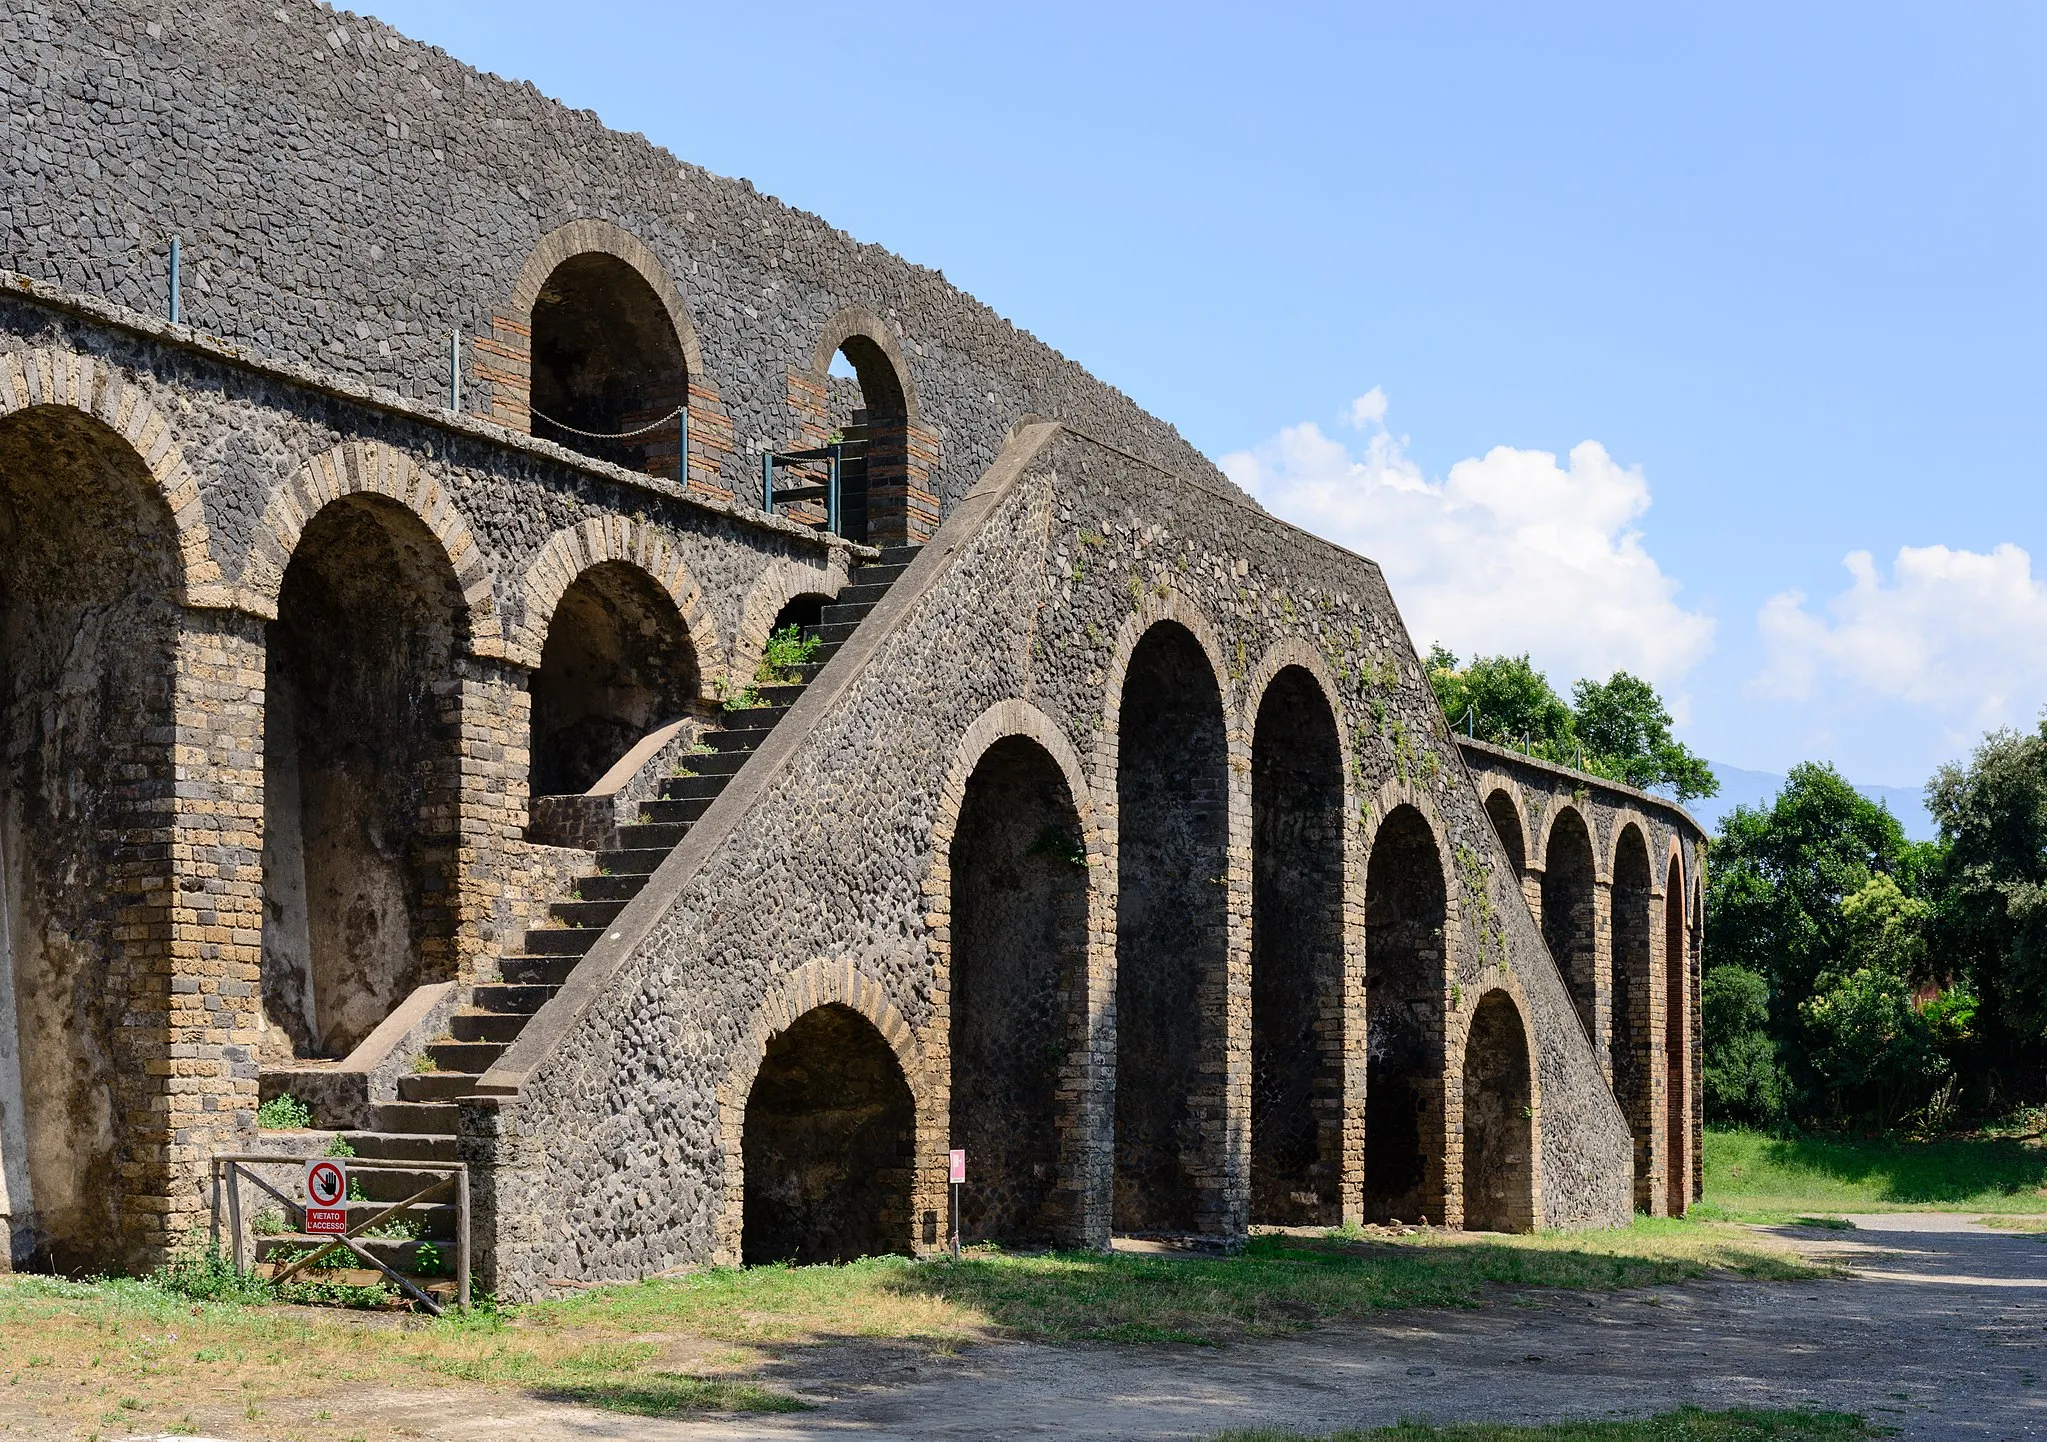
x=1688 y=1424
x=284 y=1113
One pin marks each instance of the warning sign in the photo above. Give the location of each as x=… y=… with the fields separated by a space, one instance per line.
x=327 y=1195
x=959 y=1165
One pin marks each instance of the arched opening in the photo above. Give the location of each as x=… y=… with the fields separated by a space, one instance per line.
x=1506 y=818
x=360 y=756
x=1632 y=961
x=1172 y=928
x=1406 y=914
x=869 y=410
x=1676 y=996
x=617 y=663
x=1296 y=955
x=804 y=610
x=1019 y=1017
x=89 y=629
x=1568 y=912
x=606 y=360
x=829 y=1146
x=1499 y=1120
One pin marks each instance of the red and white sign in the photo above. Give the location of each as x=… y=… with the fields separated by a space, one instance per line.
x=327 y=1196
x=959 y=1165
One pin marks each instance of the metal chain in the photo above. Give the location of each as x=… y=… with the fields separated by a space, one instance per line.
x=610 y=435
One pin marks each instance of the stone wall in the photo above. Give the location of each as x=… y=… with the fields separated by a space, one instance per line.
x=614 y=1135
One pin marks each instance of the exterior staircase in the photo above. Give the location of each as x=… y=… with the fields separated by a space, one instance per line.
x=422 y=1124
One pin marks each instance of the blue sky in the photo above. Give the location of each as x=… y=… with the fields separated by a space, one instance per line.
x=1616 y=333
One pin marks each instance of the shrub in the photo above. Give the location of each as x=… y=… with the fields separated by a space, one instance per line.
x=284 y=1114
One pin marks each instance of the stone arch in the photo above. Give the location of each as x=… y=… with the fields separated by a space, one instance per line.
x=1623 y=818
x=571 y=551
x=1676 y=1038
x=1172 y=798
x=873 y=412
x=863 y=328
x=1510 y=822
x=1570 y=913
x=1499 y=1116
x=373 y=468
x=1633 y=1017
x=1014 y=917
x=1300 y=993
x=95 y=573
x=1154 y=608
x=814 y=985
x=48 y=376
x=600 y=237
x=1409 y=941
x=781 y=583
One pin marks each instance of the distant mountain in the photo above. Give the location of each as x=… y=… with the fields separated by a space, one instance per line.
x=1757 y=788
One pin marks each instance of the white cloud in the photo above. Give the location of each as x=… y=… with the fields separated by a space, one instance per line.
x=1510 y=552
x=1961 y=633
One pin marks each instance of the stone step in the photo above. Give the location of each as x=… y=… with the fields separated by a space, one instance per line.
x=900 y=554
x=782 y=697
x=809 y=669
x=547 y=971
x=420 y=1117
x=702 y=764
x=561 y=940
x=399 y=1256
x=610 y=888
x=838 y=615
x=504 y=996
x=689 y=788
x=474 y=1056
x=838 y=632
x=589 y=913
x=480 y=1025
x=653 y=835
x=879 y=575
x=866 y=594
x=674 y=811
x=636 y=861
x=436 y=1219
x=436 y=1086
x=403 y=1146
x=394 y=1184
x=747 y=736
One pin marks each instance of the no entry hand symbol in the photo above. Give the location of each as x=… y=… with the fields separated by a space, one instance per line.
x=326 y=1196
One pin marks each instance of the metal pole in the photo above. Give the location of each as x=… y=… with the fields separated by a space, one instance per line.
x=213 y=1230
x=174 y=280
x=955 y=1221
x=682 y=446
x=462 y=1239
x=234 y=1211
x=455 y=370
x=832 y=502
x=768 y=482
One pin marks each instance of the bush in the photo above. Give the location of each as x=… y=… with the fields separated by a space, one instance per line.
x=284 y=1114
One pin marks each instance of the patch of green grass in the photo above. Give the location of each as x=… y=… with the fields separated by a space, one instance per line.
x=1756 y=1178
x=668 y=1394
x=1688 y=1424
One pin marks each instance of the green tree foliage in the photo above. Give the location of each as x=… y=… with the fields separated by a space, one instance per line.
x=1617 y=728
x=1744 y=1081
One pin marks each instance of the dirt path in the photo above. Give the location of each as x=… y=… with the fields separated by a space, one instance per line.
x=1941 y=1333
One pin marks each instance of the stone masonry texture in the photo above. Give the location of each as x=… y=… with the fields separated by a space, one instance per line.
x=999 y=872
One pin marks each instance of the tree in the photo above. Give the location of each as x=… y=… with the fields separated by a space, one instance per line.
x=1744 y=1081
x=1626 y=730
x=1503 y=699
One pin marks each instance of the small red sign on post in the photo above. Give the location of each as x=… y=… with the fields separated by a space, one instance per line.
x=959 y=1165
x=327 y=1196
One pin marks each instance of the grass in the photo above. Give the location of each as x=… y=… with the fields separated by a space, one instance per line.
x=1689 y=1424
x=1751 y=1177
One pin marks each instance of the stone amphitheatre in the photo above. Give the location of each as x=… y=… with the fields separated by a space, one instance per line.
x=386 y=723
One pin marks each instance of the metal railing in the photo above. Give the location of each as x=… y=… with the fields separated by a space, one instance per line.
x=832 y=457
x=232 y=1166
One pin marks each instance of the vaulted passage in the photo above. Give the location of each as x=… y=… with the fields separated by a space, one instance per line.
x=1172 y=789
x=1506 y=818
x=606 y=360
x=617 y=663
x=1568 y=915
x=361 y=731
x=1296 y=955
x=88 y=639
x=1019 y=1021
x=1632 y=964
x=1499 y=1127
x=1405 y=917
x=1677 y=993
x=829 y=1144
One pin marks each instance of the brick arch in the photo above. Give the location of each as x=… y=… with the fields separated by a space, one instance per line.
x=818 y=982
x=1290 y=651
x=1623 y=818
x=1538 y=857
x=1458 y=1040
x=782 y=582
x=858 y=320
x=571 y=551
x=1392 y=794
x=1154 y=608
x=50 y=376
x=1674 y=851
x=1491 y=782
x=373 y=468
x=590 y=236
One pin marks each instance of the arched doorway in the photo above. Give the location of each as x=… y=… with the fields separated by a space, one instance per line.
x=1406 y=913
x=1499 y=1124
x=800 y=611
x=606 y=360
x=829 y=1144
x=1676 y=1024
x=360 y=754
x=1019 y=1016
x=1568 y=916
x=89 y=627
x=1172 y=928
x=617 y=663
x=1296 y=955
x=869 y=410
x=1506 y=818
x=1632 y=964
